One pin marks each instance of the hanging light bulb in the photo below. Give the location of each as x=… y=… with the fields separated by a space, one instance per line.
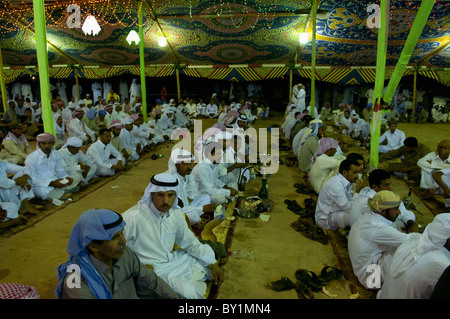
x=303 y=37
x=91 y=26
x=162 y=41
x=133 y=37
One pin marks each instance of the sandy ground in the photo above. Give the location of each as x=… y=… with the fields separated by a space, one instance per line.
x=30 y=256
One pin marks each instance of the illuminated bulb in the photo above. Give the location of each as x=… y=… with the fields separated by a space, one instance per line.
x=303 y=38
x=91 y=26
x=162 y=41
x=133 y=37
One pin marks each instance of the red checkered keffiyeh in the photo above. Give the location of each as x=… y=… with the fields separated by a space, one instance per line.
x=18 y=291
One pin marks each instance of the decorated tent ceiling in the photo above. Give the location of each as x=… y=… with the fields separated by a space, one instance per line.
x=223 y=35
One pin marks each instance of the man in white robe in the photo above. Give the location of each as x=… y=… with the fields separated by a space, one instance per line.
x=15 y=190
x=207 y=173
x=129 y=141
x=75 y=162
x=335 y=197
x=394 y=138
x=77 y=128
x=155 y=225
x=48 y=178
x=212 y=110
x=435 y=172
x=379 y=180
x=105 y=156
x=324 y=163
x=193 y=204
x=419 y=262
x=372 y=239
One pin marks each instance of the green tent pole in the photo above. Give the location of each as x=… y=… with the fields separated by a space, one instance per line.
x=142 y=62
x=379 y=83
x=2 y=82
x=313 y=58
x=42 y=58
x=413 y=36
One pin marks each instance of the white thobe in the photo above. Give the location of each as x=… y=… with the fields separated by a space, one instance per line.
x=75 y=92
x=206 y=175
x=356 y=128
x=61 y=86
x=106 y=89
x=427 y=169
x=104 y=156
x=322 y=170
x=394 y=140
x=9 y=191
x=75 y=128
x=372 y=240
x=211 y=109
x=360 y=207
x=72 y=167
x=152 y=235
x=123 y=90
x=301 y=105
x=130 y=142
x=44 y=170
x=335 y=200
x=419 y=280
x=26 y=92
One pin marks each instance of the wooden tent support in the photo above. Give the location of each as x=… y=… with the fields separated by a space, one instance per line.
x=313 y=59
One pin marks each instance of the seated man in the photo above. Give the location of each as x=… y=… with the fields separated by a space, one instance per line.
x=358 y=129
x=435 y=172
x=232 y=168
x=380 y=180
x=77 y=128
x=105 y=156
x=16 y=191
x=206 y=174
x=193 y=204
x=324 y=163
x=116 y=127
x=436 y=114
x=372 y=239
x=411 y=152
x=335 y=198
x=394 y=138
x=310 y=144
x=419 y=262
x=101 y=266
x=184 y=269
x=129 y=141
x=49 y=180
x=75 y=162
x=15 y=145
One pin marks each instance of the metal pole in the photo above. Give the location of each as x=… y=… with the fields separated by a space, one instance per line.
x=142 y=62
x=42 y=58
x=313 y=59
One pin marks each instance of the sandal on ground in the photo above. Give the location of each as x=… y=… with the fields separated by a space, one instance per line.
x=316 y=234
x=303 y=291
x=329 y=273
x=283 y=284
x=310 y=279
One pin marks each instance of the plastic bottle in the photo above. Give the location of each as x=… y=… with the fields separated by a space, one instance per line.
x=408 y=199
x=242 y=254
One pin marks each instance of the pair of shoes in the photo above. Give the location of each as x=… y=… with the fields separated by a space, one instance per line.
x=311 y=232
x=303 y=189
x=329 y=273
x=310 y=279
x=296 y=208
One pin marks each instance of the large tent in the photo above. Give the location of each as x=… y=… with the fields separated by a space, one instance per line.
x=240 y=40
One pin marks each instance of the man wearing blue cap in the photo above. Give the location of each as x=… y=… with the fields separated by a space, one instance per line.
x=101 y=266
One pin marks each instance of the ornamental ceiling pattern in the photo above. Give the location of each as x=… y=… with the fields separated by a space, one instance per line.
x=219 y=32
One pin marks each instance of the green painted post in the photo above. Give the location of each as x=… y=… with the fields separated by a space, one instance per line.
x=42 y=57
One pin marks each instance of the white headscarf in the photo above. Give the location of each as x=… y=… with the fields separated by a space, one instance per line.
x=434 y=237
x=179 y=155
x=74 y=142
x=160 y=183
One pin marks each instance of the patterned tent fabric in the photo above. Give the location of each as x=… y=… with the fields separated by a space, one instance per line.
x=222 y=34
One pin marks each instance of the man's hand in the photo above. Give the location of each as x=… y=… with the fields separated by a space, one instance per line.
x=118 y=167
x=411 y=227
x=217 y=273
x=23 y=182
x=233 y=192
